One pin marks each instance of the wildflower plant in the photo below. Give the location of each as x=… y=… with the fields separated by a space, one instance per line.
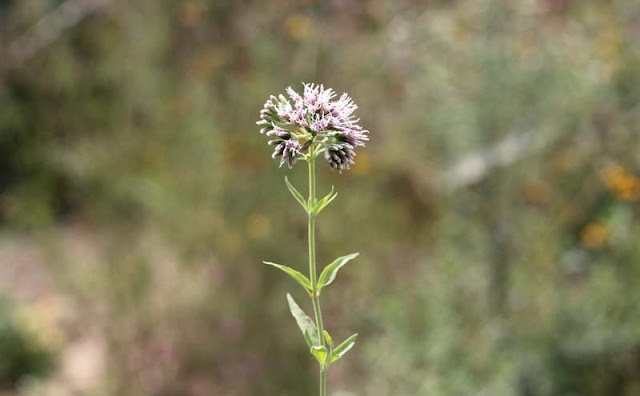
x=305 y=127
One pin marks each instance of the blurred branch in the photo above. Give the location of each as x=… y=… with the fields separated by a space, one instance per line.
x=477 y=166
x=49 y=28
x=472 y=168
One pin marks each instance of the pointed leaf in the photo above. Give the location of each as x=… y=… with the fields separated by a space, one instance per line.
x=324 y=202
x=306 y=325
x=343 y=348
x=320 y=354
x=326 y=197
x=329 y=273
x=301 y=279
x=296 y=194
x=328 y=338
x=307 y=337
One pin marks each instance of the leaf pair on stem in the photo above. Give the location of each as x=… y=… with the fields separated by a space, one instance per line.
x=312 y=208
x=327 y=276
x=308 y=328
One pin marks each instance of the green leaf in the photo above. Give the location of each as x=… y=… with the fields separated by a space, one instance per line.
x=329 y=273
x=325 y=201
x=329 y=339
x=301 y=279
x=296 y=194
x=343 y=348
x=306 y=325
x=320 y=354
x=307 y=337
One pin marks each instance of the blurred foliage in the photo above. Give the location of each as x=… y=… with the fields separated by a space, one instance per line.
x=23 y=354
x=129 y=153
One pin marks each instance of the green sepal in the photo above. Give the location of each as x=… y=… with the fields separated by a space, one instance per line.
x=343 y=348
x=324 y=202
x=306 y=325
x=296 y=194
x=329 y=273
x=301 y=279
x=321 y=354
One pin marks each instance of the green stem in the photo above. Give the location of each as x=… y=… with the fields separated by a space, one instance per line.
x=312 y=267
x=323 y=382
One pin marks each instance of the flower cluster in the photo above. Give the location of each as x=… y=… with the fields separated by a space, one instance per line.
x=313 y=119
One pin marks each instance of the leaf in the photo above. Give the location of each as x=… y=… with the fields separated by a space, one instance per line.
x=324 y=202
x=296 y=194
x=328 y=338
x=307 y=337
x=301 y=279
x=320 y=353
x=343 y=348
x=329 y=273
x=306 y=325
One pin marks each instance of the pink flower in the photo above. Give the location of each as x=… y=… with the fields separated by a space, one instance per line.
x=315 y=117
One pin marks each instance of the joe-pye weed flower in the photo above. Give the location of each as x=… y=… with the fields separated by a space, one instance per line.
x=305 y=127
x=314 y=117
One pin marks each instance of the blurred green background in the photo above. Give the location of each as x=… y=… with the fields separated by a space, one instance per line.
x=496 y=207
